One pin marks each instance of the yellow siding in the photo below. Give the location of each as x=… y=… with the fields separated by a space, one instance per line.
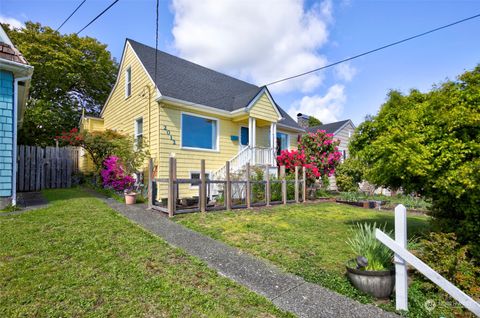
x=121 y=112
x=91 y=124
x=263 y=137
x=263 y=109
x=187 y=159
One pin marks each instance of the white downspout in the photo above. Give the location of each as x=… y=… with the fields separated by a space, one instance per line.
x=14 y=148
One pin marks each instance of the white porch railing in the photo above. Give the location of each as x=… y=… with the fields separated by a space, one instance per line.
x=403 y=256
x=252 y=155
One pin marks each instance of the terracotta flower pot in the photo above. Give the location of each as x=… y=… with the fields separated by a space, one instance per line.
x=130 y=198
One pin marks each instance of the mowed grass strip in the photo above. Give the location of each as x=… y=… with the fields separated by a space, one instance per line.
x=306 y=240
x=79 y=258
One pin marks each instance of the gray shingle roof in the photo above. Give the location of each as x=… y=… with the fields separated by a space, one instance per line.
x=184 y=80
x=329 y=128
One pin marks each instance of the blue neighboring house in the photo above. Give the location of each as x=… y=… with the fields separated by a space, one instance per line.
x=15 y=76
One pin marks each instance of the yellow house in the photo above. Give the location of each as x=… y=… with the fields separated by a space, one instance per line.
x=191 y=112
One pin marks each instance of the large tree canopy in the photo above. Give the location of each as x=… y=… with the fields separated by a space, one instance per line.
x=71 y=73
x=313 y=121
x=430 y=143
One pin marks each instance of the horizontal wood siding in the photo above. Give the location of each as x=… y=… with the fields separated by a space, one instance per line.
x=85 y=163
x=263 y=109
x=344 y=137
x=121 y=112
x=189 y=160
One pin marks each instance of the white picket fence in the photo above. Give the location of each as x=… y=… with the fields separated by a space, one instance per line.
x=403 y=256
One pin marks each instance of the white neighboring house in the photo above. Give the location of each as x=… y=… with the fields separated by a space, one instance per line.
x=341 y=130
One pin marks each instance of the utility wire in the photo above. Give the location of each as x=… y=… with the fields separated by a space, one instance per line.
x=71 y=15
x=99 y=15
x=156 y=43
x=374 y=50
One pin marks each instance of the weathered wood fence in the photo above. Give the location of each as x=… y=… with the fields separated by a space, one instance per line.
x=45 y=168
x=242 y=197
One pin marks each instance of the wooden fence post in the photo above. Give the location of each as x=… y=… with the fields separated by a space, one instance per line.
x=171 y=187
x=248 y=187
x=304 y=185
x=203 y=187
x=267 y=185
x=284 y=184
x=228 y=187
x=401 y=285
x=297 y=199
x=150 y=183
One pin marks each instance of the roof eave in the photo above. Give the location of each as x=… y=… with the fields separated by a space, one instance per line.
x=291 y=127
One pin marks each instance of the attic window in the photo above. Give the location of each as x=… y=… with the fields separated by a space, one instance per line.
x=128 y=82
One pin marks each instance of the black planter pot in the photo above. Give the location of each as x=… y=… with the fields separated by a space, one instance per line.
x=378 y=284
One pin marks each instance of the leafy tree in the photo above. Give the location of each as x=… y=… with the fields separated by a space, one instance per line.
x=349 y=174
x=100 y=145
x=71 y=73
x=313 y=121
x=430 y=143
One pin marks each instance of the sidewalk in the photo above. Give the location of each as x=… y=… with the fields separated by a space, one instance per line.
x=288 y=292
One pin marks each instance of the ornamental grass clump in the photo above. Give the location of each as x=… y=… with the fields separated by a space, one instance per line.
x=364 y=243
x=114 y=175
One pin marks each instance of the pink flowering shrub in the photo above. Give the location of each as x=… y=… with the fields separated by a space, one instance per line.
x=114 y=175
x=317 y=152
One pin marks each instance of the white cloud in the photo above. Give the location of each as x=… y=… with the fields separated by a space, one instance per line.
x=14 y=23
x=345 y=72
x=259 y=41
x=327 y=108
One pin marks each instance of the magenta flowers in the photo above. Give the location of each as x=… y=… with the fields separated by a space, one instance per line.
x=317 y=152
x=114 y=175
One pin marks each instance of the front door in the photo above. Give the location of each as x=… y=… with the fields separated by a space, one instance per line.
x=243 y=138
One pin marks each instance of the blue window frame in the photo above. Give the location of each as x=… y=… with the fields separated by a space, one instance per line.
x=282 y=142
x=199 y=132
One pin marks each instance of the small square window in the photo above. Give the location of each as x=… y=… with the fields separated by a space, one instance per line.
x=196 y=176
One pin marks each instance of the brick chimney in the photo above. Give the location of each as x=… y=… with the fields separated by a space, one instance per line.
x=302 y=120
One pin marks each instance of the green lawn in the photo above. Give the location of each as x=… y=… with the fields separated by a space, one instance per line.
x=306 y=240
x=78 y=258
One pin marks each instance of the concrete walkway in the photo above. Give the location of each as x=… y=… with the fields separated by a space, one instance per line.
x=28 y=201
x=288 y=292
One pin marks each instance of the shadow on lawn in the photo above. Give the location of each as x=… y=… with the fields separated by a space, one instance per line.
x=56 y=195
x=415 y=226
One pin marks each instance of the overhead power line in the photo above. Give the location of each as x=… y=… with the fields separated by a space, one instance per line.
x=71 y=15
x=156 y=42
x=99 y=15
x=374 y=50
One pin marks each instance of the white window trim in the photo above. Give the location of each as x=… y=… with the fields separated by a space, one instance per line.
x=135 y=129
x=217 y=143
x=129 y=68
x=197 y=171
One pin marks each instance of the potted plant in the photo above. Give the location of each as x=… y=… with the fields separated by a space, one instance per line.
x=115 y=177
x=372 y=270
x=131 y=194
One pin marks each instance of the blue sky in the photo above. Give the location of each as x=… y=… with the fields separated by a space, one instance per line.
x=262 y=41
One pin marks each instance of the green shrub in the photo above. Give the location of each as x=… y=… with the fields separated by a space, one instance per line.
x=445 y=255
x=348 y=175
x=258 y=189
x=351 y=196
